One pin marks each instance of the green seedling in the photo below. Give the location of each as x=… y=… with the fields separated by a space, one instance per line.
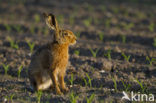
x=92 y=68
x=126 y=13
x=140 y=15
x=9 y=99
x=18 y=28
x=37 y=18
x=31 y=46
x=85 y=81
x=77 y=52
x=90 y=8
x=126 y=86
x=126 y=57
x=128 y=26
x=73 y=97
x=89 y=80
x=115 y=10
x=6 y=68
x=154 y=42
x=39 y=94
x=143 y=88
x=103 y=8
x=8 y=27
x=87 y=22
x=151 y=27
x=115 y=84
x=71 y=20
x=32 y=29
x=13 y=44
x=108 y=54
x=71 y=79
x=108 y=23
x=90 y=99
x=45 y=31
x=19 y=71
x=94 y=53
x=60 y=19
x=101 y=36
x=123 y=38
x=78 y=34
x=150 y=60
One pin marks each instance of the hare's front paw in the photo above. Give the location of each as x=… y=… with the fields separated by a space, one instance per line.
x=59 y=92
x=65 y=90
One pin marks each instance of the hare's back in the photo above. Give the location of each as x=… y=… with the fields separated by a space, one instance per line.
x=40 y=59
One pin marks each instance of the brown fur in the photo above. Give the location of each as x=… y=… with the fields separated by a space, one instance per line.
x=48 y=64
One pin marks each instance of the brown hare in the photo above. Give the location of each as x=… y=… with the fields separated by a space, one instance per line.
x=48 y=63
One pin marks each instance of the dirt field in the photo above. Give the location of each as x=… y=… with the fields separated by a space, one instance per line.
x=115 y=51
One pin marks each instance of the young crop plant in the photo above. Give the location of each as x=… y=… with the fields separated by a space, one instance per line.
x=94 y=53
x=101 y=36
x=151 y=27
x=85 y=81
x=18 y=28
x=8 y=27
x=108 y=54
x=126 y=57
x=115 y=84
x=45 y=31
x=103 y=8
x=73 y=97
x=13 y=44
x=90 y=8
x=77 y=52
x=71 y=19
x=78 y=34
x=60 y=19
x=90 y=99
x=126 y=86
x=39 y=94
x=89 y=80
x=143 y=88
x=71 y=79
x=19 y=71
x=87 y=22
x=154 y=42
x=32 y=29
x=31 y=46
x=9 y=99
x=128 y=26
x=108 y=23
x=123 y=38
x=150 y=60
x=115 y=10
x=37 y=18
x=6 y=68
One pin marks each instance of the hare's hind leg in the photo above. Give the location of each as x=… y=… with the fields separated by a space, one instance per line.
x=37 y=82
x=43 y=81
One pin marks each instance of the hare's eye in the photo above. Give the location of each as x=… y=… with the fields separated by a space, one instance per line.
x=65 y=33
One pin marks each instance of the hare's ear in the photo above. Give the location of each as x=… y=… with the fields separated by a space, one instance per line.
x=51 y=21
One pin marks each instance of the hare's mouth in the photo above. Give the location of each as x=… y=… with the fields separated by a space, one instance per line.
x=73 y=42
